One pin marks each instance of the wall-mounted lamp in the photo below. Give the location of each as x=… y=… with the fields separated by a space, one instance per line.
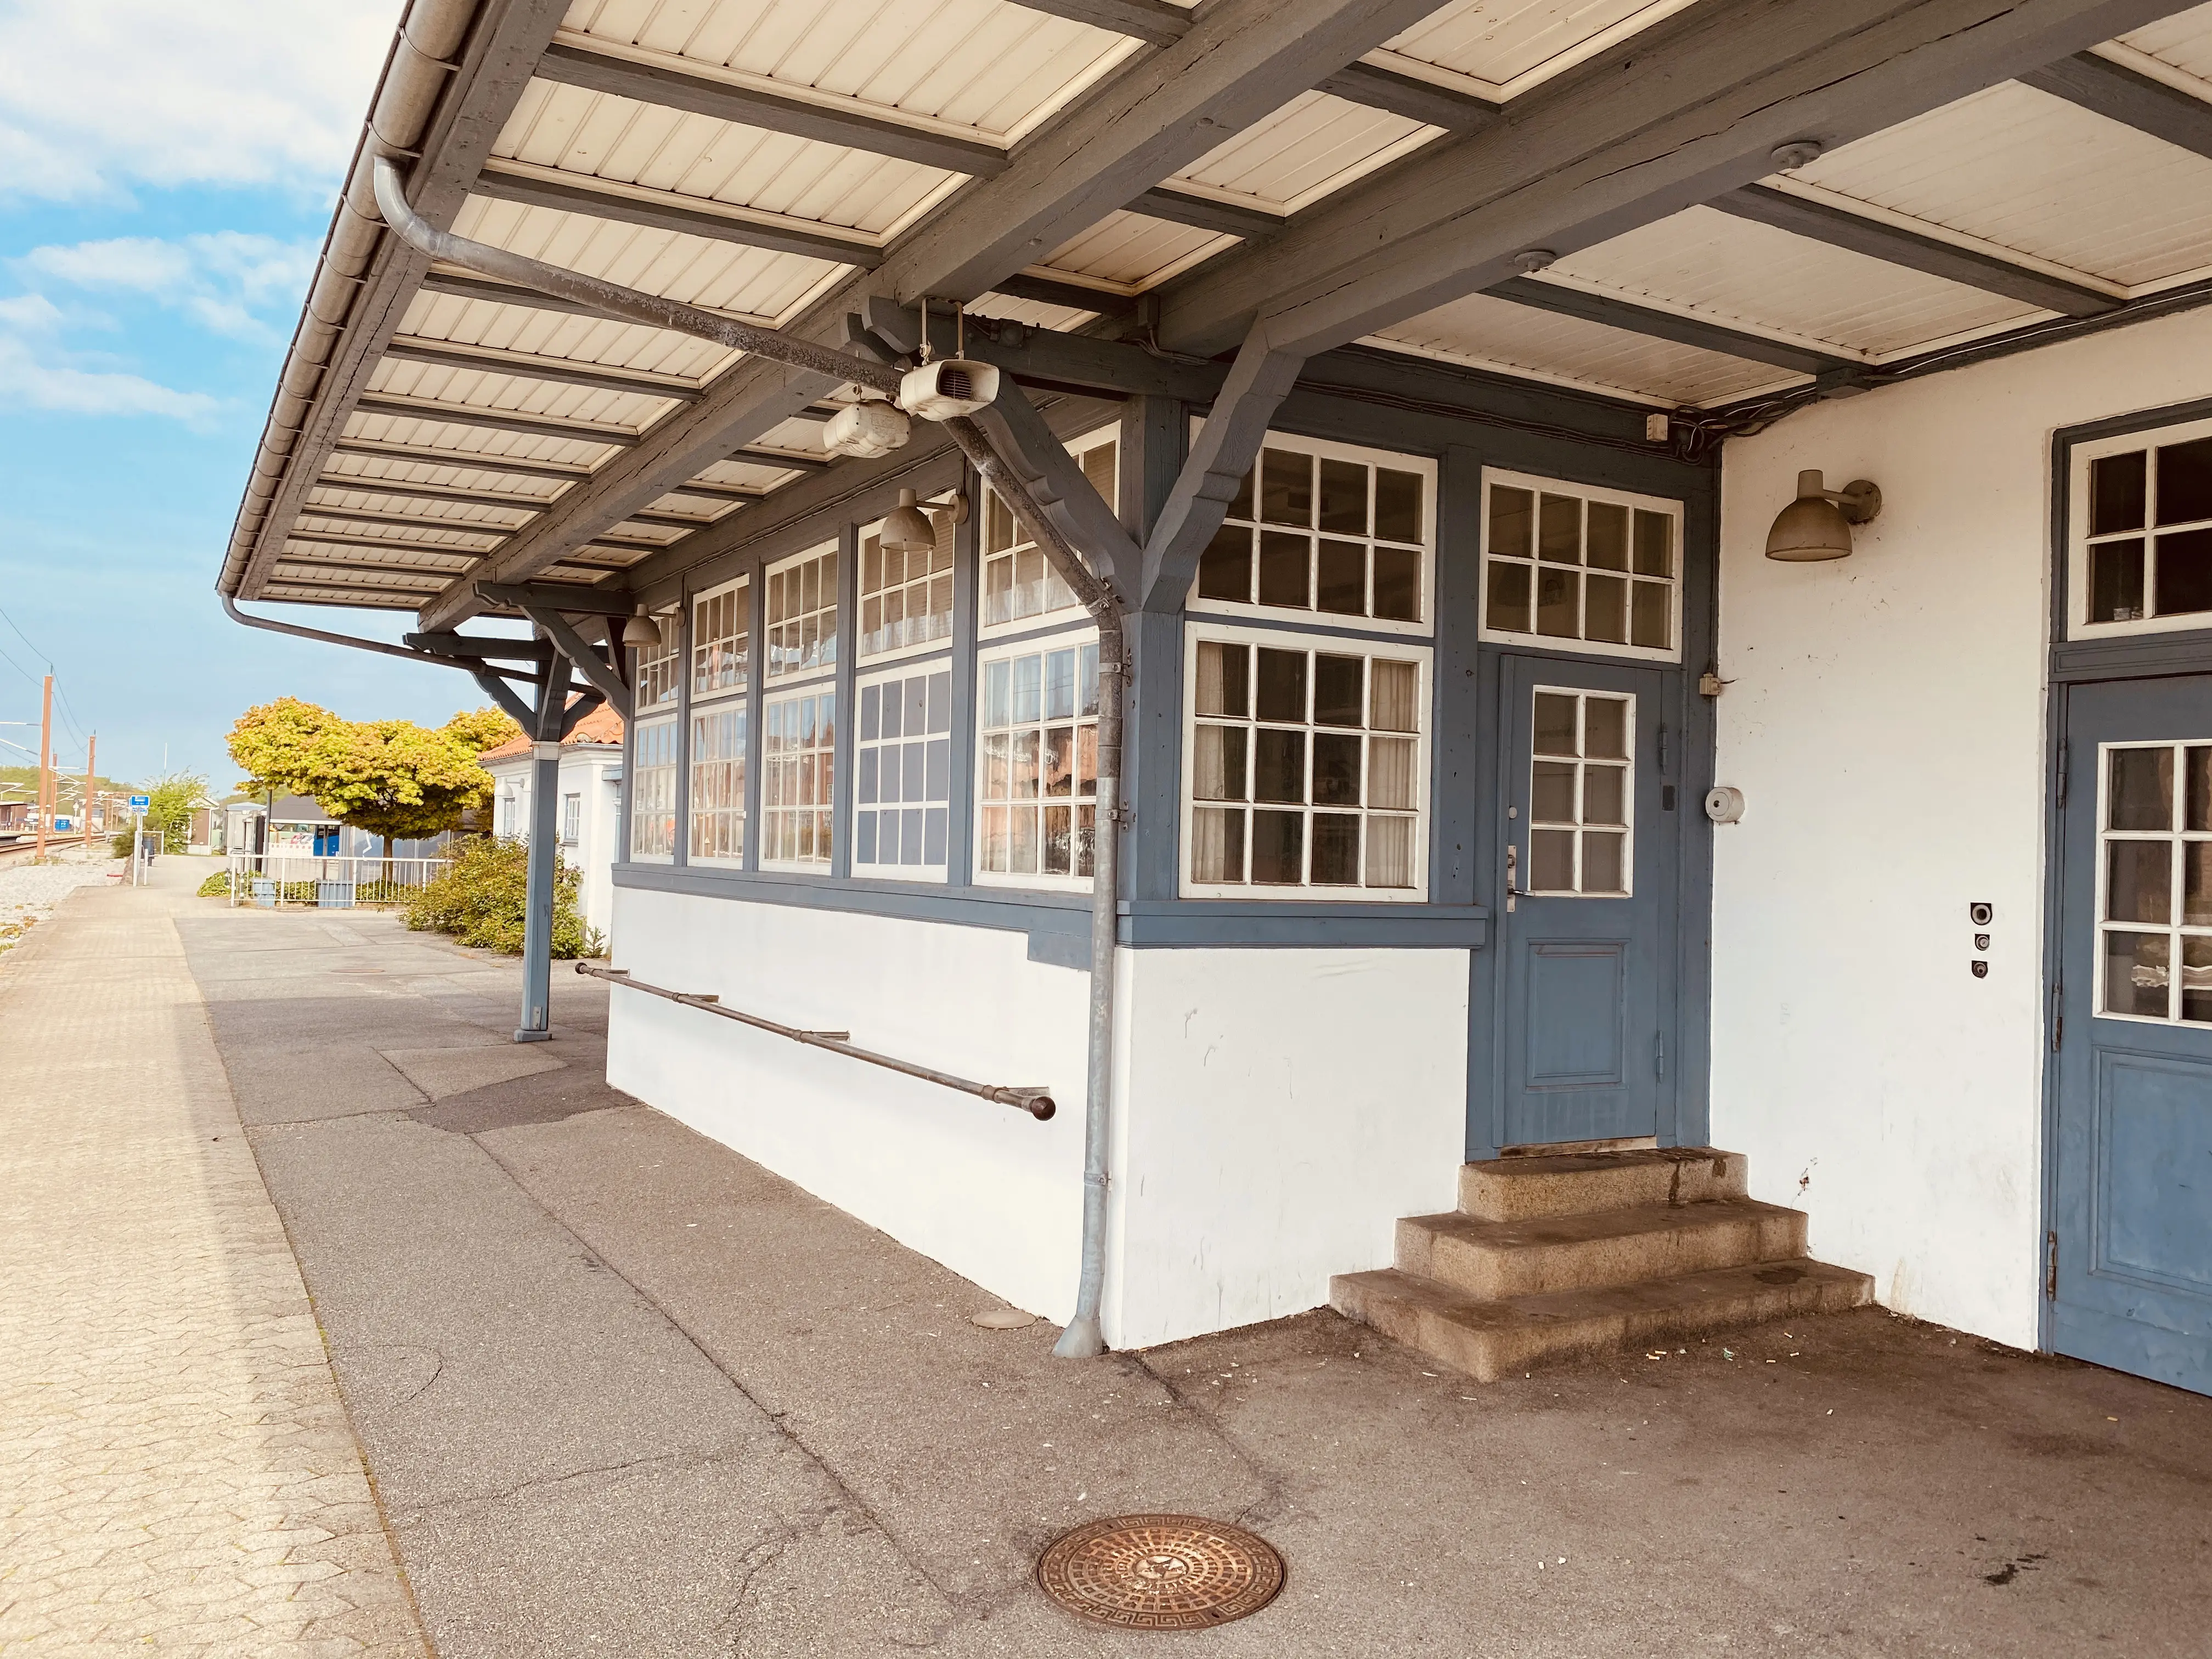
x=907 y=530
x=641 y=632
x=1818 y=523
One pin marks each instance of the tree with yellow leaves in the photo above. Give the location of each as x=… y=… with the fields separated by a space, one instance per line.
x=392 y=778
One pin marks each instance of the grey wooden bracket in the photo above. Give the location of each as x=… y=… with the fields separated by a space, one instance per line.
x=594 y=667
x=1220 y=456
x=1069 y=499
x=501 y=693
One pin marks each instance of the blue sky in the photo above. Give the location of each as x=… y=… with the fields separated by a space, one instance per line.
x=167 y=174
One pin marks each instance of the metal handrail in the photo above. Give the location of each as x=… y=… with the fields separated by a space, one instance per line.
x=1037 y=1103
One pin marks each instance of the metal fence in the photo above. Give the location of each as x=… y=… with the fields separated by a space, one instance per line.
x=271 y=881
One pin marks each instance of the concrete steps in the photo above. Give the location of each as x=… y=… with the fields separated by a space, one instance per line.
x=1585 y=1252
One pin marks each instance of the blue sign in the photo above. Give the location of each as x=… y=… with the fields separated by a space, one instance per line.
x=140 y=803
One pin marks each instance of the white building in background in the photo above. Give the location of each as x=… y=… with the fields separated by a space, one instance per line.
x=590 y=804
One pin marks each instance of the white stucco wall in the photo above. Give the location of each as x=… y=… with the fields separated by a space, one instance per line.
x=1277 y=1111
x=1885 y=721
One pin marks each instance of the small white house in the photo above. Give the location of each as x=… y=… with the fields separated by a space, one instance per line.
x=591 y=793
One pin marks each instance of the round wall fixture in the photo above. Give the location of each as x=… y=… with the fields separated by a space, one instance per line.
x=1724 y=804
x=1161 y=1573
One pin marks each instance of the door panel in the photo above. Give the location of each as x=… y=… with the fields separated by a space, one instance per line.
x=2132 y=1178
x=1587 y=920
x=1576 y=1007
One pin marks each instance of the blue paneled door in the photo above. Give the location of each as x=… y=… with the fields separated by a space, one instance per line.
x=2129 y=1273
x=1586 y=922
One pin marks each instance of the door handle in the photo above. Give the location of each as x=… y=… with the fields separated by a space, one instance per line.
x=1512 y=875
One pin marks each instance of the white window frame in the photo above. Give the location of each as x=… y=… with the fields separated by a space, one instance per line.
x=826 y=663
x=1036 y=645
x=1678 y=583
x=1423 y=656
x=1326 y=449
x=639 y=771
x=825 y=807
x=717 y=708
x=2078 y=625
x=1581 y=763
x=1059 y=615
x=2175 y=929
x=861 y=745
x=742 y=587
x=659 y=678
x=572 y=819
x=937 y=508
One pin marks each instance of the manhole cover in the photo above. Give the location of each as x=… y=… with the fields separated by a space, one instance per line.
x=1161 y=1573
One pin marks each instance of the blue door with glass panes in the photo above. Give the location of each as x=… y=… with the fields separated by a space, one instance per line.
x=1585 y=922
x=2129 y=1267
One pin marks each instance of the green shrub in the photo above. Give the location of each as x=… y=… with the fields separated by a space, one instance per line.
x=479 y=899
x=216 y=885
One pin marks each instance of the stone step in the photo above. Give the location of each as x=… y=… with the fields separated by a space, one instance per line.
x=1488 y=1339
x=1499 y=1259
x=1578 y=1183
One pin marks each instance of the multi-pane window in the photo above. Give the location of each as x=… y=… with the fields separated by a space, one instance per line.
x=572 y=819
x=1584 y=569
x=902 y=774
x=802 y=615
x=1581 y=773
x=510 y=814
x=2155 y=876
x=1304 y=766
x=1016 y=581
x=799 y=746
x=1038 y=779
x=718 y=783
x=658 y=666
x=2144 y=535
x=906 y=594
x=1326 y=529
x=721 y=640
x=652 y=790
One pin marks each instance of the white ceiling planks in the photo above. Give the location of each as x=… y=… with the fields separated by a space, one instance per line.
x=992 y=68
x=1312 y=146
x=1499 y=49
x=598 y=136
x=699 y=271
x=1483 y=333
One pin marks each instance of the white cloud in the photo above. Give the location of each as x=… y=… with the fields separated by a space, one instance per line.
x=221 y=278
x=97 y=95
x=35 y=378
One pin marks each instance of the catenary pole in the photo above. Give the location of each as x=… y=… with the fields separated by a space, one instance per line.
x=45 y=766
x=91 y=751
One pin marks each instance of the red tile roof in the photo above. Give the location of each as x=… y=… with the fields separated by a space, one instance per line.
x=602 y=725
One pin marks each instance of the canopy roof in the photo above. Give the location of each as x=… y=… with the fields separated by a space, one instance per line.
x=1578 y=192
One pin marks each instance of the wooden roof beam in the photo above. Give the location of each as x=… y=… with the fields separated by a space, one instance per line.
x=1718 y=89
x=2120 y=93
x=1820 y=222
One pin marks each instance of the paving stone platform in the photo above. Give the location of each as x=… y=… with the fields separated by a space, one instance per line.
x=177 y=1473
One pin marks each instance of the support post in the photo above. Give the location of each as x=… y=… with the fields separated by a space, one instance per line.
x=91 y=751
x=538 y=917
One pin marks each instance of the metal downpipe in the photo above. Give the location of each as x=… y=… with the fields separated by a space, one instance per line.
x=1084 y=1337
